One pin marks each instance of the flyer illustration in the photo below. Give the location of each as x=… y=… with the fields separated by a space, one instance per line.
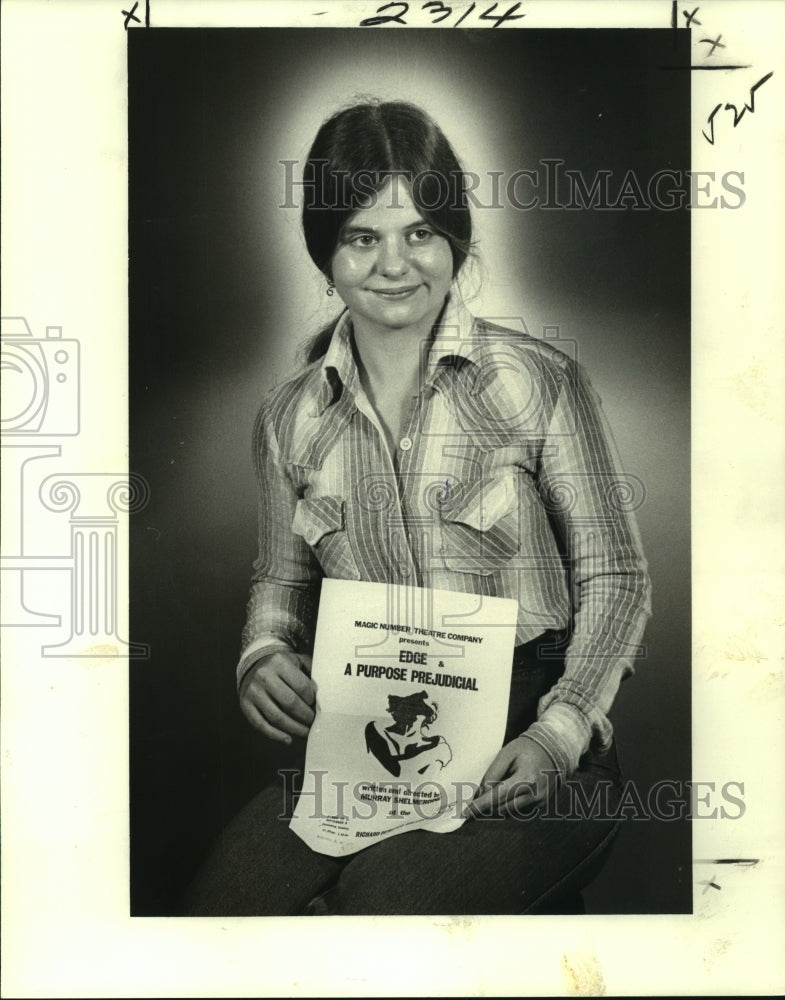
x=411 y=707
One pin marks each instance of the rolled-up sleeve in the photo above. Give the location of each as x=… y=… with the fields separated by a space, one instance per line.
x=286 y=577
x=590 y=502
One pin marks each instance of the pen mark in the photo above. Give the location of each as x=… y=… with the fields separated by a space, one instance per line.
x=715 y=66
x=738 y=115
x=745 y=862
x=709 y=884
x=438 y=8
x=710 y=121
x=465 y=14
x=396 y=11
x=130 y=15
x=715 y=43
x=691 y=18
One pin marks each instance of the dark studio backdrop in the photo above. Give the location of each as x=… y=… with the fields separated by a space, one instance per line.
x=221 y=294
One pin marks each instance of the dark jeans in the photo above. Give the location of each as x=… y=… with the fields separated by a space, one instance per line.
x=488 y=866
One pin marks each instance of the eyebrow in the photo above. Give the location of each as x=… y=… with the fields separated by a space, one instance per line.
x=373 y=230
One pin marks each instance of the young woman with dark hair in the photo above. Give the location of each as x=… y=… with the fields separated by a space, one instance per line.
x=390 y=140
x=407 y=387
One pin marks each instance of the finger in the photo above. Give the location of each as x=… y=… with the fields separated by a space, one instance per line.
x=279 y=687
x=498 y=769
x=521 y=802
x=306 y=662
x=273 y=714
x=501 y=796
x=258 y=721
x=485 y=798
x=485 y=802
x=287 y=699
x=300 y=681
x=289 y=668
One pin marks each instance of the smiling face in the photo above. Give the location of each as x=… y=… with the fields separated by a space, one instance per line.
x=391 y=268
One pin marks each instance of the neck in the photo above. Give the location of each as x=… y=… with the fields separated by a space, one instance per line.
x=385 y=355
x=394 y=357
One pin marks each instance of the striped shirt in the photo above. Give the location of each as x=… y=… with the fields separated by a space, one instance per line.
x=507 y=484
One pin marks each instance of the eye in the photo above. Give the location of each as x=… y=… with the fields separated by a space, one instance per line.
x=420 y=235
x=362 y=240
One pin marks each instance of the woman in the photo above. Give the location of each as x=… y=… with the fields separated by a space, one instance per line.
x=422 y=446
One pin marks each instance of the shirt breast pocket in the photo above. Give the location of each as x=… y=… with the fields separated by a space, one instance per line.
x=321 y=522
x=481 y=525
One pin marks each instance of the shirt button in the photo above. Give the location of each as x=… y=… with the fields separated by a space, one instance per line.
x=405 y=444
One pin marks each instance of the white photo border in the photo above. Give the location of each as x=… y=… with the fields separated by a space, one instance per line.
x=66 y=929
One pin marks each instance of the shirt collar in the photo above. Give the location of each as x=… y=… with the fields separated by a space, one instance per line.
x=338 y=369
x=455 y=347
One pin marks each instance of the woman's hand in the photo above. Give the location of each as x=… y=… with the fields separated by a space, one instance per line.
x=277 y=695
x=520 y=775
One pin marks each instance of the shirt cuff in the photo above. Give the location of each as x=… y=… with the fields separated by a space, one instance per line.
x=564 y=734
x=259 y=648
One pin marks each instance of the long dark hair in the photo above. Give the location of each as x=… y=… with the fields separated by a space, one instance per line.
x=353 y=156
x=406 y=709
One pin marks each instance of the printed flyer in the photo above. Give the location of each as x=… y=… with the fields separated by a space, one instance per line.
x=411 y=706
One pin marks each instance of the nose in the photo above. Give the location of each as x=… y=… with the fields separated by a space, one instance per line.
x=393 y=261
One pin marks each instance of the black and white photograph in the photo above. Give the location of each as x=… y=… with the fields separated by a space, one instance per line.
x=284 y=369
x=395 y=519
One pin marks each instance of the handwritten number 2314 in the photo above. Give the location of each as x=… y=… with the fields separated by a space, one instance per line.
x=439 y=12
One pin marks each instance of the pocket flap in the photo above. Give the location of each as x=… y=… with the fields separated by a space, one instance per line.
x=315 y=517
x=480 y=504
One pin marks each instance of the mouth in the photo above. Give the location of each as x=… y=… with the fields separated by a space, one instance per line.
x=395 y=294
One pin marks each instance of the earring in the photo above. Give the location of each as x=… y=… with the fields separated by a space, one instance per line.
x=330 y=287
